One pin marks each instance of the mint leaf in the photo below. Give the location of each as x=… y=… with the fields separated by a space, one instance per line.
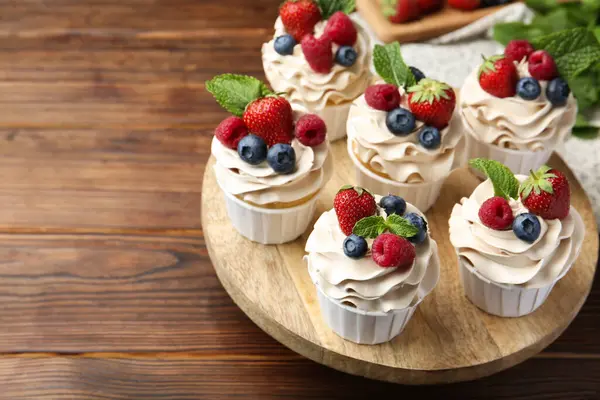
x=506 y=32
x=400 y=226
x=235 y=92
x=370 y=227
x=330 y=7
x=391 y=67
x=541 y=5
x=585 y=88
x=505 y=183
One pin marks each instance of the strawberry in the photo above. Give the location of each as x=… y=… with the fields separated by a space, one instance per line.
x=340 y=29
x=546 y=193
x=498 y=76
x=398 y=11
x=427 y=6
x=352 y=204
x=464 y=4
x=432 y=102
x=299 y=17
x=318 y=53
x=271 y=119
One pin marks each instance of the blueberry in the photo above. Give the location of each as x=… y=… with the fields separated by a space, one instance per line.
x=558 y=92
x=400 y=122
x=527 y=227
x=419 y=222
x=282 y=158
x=346 y=56
x=528 y=88
x=417 y=73
x=393 y=204
x=284 y=45
x=252 y=149
x=430 y=137
x=355 y=246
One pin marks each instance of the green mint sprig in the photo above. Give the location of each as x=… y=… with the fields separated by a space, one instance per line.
x=330 y=7
x=505 y=183
x=390 y=65
x=371 y=227
x=234 y=92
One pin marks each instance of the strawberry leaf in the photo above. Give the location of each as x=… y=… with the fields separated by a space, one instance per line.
x=235 y=92
x=537 y=182
x=330 y=7
x=505 y=183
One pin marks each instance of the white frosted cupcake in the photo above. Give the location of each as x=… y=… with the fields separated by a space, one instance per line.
x=335 y=69
x=521 y=120
x=401 y=145
x=513 y=250
x=369 y=286
x=270 y=177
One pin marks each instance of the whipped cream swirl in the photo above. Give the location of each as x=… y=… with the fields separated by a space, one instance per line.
x=513 y=122
x=308 y=89
x=259 y=184
x=501 y=257
x=402 y=158
x=362 y=283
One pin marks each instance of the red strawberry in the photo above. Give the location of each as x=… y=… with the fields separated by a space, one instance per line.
x=384 y=97
x=495 y=213
x=390 y=251
x=498 y=76
x=311 y=130
x=542 y=66
x=427 y=6
x=318 y=53
x=432 y=102
x=464 y=4
x=230 y=131
x=516 y=50
x=546 y=193
x=299 y=17
x=270 y=118
x=399 y=11
x=352 y=204
x=340 y=29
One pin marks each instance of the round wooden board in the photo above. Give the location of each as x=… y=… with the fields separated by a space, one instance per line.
x=448 y=338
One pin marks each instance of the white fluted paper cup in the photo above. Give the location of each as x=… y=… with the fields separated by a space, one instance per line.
x=421 y=195
x=335 y=117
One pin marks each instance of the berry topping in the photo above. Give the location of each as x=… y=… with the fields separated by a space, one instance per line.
x=384 y=97
x=498 y=76
x=252 y=149
x=464 y=4
x=393 y=205
x=346 y=56
x=311 y=130
x=285 y=44
x=417 y=73
x=282 y=158
x=527 y=227
x=541 y=66
x=400 y=122
x=398 y=11
x=430 y=137
x=352 y=204
x=517 y=50
x=546 y=193
x=432 y=102
x=340 y=29
x=391 y=251
x=558 y=92
x=271 y=119
x=318 y=53
x=355 y=246
x=230 y=131
x=495 y=213
x=528 y=88
x=299 y=17
x=418 y=222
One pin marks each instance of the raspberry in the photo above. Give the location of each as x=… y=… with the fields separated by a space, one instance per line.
x=542 y=66
x=495 y=213
x=516 y=50
x=390 y=250
x=318 y=53
x=384 y=97
x=311 y=130
x=340 y=29
x=230 y=131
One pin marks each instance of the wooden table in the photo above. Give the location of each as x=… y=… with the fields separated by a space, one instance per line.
x=106 y=287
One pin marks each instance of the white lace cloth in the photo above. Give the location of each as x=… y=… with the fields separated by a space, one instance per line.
x=453 y=56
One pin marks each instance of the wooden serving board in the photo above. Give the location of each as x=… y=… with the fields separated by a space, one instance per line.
x=428 y=26
x=448 y=338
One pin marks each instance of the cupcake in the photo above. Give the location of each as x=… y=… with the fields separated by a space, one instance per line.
x=320 y=59
x=269 y=166
x=515 y=237
x=371 y=265
x=516 y=108
x=403 y=134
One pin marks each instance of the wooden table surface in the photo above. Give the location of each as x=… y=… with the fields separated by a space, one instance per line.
x=107 y=290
